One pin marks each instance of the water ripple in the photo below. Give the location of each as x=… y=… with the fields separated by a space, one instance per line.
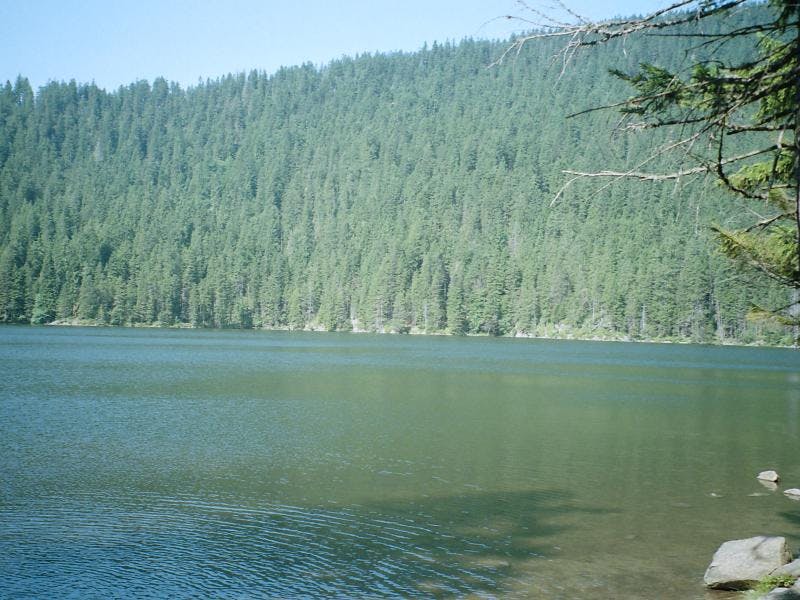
x=145 y=545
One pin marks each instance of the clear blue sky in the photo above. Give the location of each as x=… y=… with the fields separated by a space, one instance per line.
x=116 y=42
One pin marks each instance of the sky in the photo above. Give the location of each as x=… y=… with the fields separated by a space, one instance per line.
x=115 y=43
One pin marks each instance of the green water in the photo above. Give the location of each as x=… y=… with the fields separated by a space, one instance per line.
x=249 y=464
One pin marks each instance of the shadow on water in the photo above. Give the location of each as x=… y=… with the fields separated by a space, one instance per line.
x=793 y=517
x=472 y=543
x=477 y=541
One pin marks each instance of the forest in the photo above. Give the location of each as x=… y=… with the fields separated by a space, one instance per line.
x=400 y=192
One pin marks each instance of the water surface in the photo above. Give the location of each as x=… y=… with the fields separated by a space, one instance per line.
x=250 y=464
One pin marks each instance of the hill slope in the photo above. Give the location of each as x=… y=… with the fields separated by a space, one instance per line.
x=387 y=192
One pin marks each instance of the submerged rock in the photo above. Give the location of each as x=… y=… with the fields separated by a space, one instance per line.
x=769 y=476
x=740 y=564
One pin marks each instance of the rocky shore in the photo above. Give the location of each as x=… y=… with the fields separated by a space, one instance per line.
x=762 y=563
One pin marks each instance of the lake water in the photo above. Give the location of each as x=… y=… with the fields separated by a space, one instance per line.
x=250 y=464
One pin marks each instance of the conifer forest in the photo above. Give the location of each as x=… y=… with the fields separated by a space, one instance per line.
x=400 y=192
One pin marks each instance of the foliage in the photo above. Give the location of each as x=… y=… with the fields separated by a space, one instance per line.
x=769 y=583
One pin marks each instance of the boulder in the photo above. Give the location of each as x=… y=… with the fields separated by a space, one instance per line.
x=793 y=493
x=792 y=569
x=739 y=564
x=768 y=476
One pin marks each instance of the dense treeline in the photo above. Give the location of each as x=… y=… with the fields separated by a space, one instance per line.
x=384 y=192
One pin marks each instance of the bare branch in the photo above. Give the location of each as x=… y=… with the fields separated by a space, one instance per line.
x=585 y=34
x=705 y=168
x=764 y=223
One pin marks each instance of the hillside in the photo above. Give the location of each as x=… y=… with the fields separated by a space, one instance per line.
x=397 y=192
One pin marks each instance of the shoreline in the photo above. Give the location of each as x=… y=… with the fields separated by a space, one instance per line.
x=567 y=335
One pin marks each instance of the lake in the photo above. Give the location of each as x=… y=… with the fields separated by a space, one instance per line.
x=186 y=463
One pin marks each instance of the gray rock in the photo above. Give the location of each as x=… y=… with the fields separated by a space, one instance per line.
x=792 y=569
x=768 y=476
x=740 y=564
x=793 y=493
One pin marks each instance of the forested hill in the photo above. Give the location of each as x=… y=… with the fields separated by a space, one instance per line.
x=398 y=192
